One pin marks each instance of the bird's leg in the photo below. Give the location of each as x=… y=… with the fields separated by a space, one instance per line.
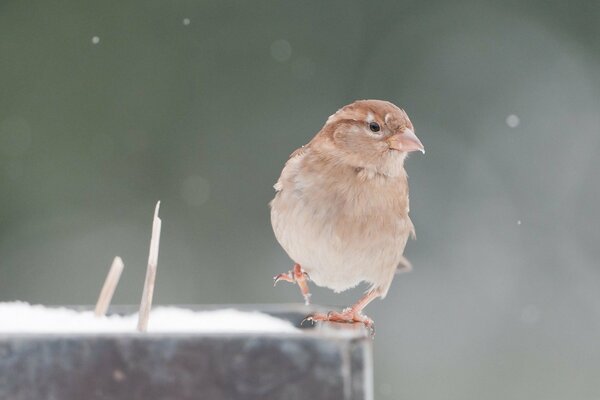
x=297 y=275
x=351 y=314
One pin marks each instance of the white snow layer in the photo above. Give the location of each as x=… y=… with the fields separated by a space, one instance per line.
x=21 y=317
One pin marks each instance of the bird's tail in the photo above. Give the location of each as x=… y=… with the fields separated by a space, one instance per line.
x=404 y=266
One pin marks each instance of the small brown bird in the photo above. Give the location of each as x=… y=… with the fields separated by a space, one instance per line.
x=341 y=207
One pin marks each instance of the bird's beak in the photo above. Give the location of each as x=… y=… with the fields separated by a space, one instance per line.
x=406 y=141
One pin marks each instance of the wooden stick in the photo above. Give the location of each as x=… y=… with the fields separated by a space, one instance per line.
x=146 y=303
x=108 y=289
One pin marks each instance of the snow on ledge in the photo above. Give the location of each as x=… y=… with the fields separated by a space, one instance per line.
x=21 y=317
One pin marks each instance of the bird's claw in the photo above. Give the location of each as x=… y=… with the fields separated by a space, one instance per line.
x=298 y=276
x=347 y=316
x=288 y=277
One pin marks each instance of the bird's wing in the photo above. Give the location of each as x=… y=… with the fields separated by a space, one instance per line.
x=291 y=165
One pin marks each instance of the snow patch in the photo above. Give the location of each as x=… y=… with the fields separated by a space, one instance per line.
x=21 y=317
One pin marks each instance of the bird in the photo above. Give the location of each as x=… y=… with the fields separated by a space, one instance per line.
x=341 y=206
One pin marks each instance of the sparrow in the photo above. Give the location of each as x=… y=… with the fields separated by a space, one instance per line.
x=341 y=205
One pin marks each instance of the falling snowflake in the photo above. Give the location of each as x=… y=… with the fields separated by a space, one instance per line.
x=186 y=21
x=95 y=40
x=513 y=121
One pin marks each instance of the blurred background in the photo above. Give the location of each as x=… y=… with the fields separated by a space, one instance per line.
x=107 y=107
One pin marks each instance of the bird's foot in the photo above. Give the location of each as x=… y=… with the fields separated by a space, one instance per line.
x=298 y=276
x=350 y=315
x=347 y=316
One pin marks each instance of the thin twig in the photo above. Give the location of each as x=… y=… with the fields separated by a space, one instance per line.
x=146 y=303
x=108 y=289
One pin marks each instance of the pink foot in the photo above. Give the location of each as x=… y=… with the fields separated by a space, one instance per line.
x=297 y=275
x=348 y=316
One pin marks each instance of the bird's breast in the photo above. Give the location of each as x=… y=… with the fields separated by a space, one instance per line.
x=342 y=228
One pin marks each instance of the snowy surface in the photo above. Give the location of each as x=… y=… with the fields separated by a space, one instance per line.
x=19 y=317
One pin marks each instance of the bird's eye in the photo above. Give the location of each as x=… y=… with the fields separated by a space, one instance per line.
x=374 y=127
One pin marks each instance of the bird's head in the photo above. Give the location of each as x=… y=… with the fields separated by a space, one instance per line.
x=372 y=133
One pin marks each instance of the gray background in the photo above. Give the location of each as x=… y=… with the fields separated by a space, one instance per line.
x=504 y=301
